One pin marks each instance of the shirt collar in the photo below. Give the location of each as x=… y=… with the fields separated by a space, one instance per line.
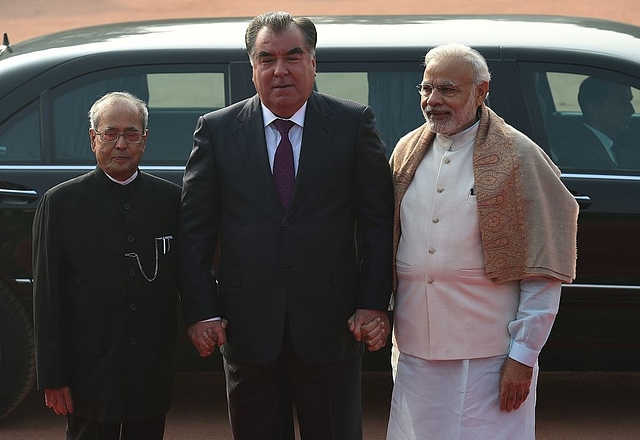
x=606 y=140
x=459 y=140
x=123 y=182
x=298 y=117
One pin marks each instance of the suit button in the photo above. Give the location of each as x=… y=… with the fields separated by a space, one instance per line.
x=285 y=224
x=127 y=206
x=132 y=273
x=132 y=341
x=132 y=307
x=130 y=238
x=283 y=267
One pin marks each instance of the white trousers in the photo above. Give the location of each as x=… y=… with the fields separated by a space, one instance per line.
x=455 y=400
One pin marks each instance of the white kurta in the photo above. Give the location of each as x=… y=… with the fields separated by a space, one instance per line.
x=445 y=306
x=453 y=326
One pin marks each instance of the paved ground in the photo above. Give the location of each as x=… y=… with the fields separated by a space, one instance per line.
x=571 y=406
x=28 y=18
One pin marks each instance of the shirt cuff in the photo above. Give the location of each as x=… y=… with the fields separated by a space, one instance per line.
x=523 y=354
x=210 y=319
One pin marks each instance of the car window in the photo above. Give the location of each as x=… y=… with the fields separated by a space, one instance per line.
x=390 y=93
x=592 y=120
x=20 y=136
x=175 y=100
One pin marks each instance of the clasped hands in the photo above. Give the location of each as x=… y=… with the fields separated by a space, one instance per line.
x=371 y=327
x=368 y=326
x=207 y=335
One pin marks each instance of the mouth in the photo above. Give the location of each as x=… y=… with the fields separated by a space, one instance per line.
x=282 y=86
x=437 y=114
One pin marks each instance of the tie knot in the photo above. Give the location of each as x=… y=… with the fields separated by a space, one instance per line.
x=283 y=126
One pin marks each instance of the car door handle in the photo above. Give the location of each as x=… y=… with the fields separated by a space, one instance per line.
x=584 y=201
x=17 y=196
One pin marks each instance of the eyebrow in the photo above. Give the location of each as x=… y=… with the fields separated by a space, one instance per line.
x=294 y=51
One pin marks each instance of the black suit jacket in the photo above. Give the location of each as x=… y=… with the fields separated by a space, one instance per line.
x=305 y=264
x=100 y=326
x=583 y=150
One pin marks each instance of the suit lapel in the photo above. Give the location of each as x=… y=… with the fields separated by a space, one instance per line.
x=252 y=146
x=317 y=133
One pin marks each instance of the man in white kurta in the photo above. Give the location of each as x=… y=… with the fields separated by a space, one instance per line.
x=479 y=260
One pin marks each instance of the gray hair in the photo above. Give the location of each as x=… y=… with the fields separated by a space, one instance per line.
x=278 y=22
x=110 y=98
x=456 y=50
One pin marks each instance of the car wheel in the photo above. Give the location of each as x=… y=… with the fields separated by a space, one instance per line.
x=17 y=357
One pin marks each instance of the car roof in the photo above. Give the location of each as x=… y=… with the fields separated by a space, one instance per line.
x=364 y=33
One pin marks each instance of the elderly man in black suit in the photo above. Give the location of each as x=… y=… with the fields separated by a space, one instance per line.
x=294 y=187
x=105 y=285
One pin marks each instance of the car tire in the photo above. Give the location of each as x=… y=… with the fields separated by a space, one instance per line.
x=17 y=356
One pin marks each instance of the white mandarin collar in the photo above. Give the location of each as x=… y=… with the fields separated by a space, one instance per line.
x=457 y=141
x=123 y=182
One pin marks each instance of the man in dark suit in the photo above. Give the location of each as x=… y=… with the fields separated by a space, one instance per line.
x=105 y=285
x=598 y=142
x=304 y=267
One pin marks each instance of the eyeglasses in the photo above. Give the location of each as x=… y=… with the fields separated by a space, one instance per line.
x=447 y=90
x=130 y=137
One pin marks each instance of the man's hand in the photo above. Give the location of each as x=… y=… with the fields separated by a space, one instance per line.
x=371 y=327
x=59 y=399
x=514 y=385
x=207 y=335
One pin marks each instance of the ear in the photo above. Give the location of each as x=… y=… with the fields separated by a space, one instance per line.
x=144 y=140
x=482 y=91
x=92 y=138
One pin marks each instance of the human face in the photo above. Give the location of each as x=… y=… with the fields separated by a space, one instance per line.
x=613 y=115
x=283 y=70
x=451 y=114
x=119 y=160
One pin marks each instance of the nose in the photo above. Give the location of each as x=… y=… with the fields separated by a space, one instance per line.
x=631 y=109
x=280 y=68
x=434 y=98
x=120 y=143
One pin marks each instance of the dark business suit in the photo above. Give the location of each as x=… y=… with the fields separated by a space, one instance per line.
x=300 y=267
x=582 y=149
x=100 y=327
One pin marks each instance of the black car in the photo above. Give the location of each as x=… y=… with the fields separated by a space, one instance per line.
x=184 y=69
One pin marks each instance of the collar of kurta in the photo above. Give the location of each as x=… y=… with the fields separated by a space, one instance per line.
x=528 y=219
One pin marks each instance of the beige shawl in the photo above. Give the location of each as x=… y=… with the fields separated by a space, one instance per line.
x=528 y=219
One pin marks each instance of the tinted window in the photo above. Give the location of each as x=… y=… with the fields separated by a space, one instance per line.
x=175 y=100
x=389 y=90
x=20 y=136
x=592 y=120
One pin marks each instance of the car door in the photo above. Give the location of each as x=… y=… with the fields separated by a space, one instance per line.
x=598 y=326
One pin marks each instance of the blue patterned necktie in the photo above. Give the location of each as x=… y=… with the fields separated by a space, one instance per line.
x=283 y=168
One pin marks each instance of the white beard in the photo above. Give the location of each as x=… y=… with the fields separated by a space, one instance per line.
x=456 y=121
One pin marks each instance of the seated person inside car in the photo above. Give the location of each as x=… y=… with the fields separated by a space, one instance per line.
x=602 y=140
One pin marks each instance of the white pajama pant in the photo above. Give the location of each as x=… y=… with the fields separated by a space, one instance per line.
x=455 y=400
